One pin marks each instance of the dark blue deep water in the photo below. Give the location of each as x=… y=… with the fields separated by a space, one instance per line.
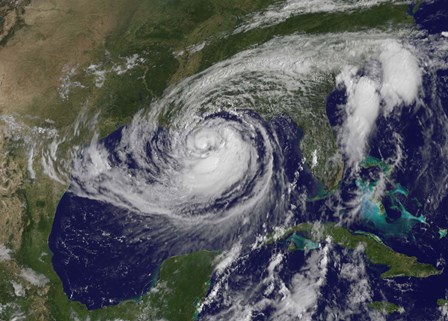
x=432 y=16
x=422 y=173
x=104 y=254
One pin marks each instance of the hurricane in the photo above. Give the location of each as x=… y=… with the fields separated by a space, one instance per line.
x=205 y=160
x=219 y=163
x=215 y=177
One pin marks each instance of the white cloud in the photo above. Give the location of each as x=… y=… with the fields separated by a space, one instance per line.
x=443 y=312
x=5 y=253
x=295 y=300
x=18 y=317
x=39 y=143
x=197 y=47
x=66 y=82
x=356 y=293
x=355 y=272
x=100 y=72
x=129 y=63
x=402 y=76
x=30 y=160
x=270 y=280
x=396 y=83
x=277 y=72
x=362 y=109
x=18 y=288
x=33 y=277
x=299 y=300
x=314 y=159
x=227 y=258
x=49 y=161
x=283 y=10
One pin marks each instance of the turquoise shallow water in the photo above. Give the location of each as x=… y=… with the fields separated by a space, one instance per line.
x=301 y=243
x=397 y=211
x=374 y=211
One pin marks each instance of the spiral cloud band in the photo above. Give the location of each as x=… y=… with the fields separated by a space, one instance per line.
x=215 y=162
x=147 y=193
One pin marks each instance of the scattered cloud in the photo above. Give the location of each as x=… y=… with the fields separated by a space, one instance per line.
x=299 y=300
x=402 y=76
x=5 y=253
x=19 y=290
x=67 y=84
x=363 y=107
x=392 y=82
x=279 y=12
x=100 y=70
x=33 y=277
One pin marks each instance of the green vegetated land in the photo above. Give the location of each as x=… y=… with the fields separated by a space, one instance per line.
x=384 y=307
x=156 y=30
x=376 y=252
x=382 y=16
x=159 y=30
x=182 y=284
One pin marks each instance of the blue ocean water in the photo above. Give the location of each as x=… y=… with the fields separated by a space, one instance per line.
x=104 y=254
x=432 y=16
x=417 y=296
x=422 y=173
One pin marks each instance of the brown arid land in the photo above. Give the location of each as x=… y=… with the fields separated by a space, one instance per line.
x=55 y=34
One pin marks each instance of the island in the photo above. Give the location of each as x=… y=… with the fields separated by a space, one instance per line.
x=376 y=251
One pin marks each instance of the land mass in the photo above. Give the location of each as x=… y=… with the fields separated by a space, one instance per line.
x=385 y=307
x=376 y=252
x=45 y=43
